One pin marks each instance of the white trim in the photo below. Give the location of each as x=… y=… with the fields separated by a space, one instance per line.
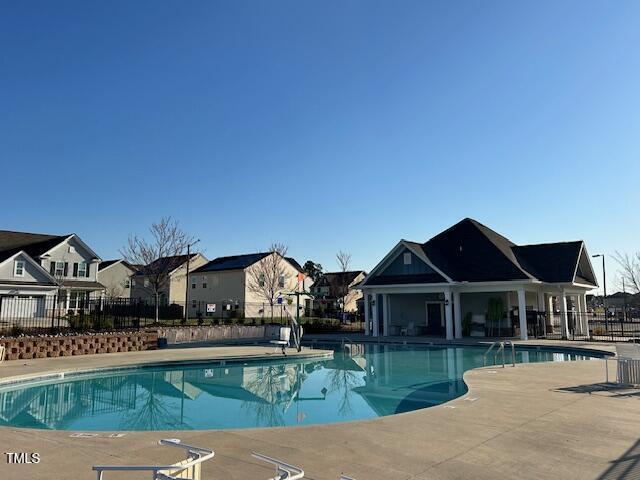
x=380 y=264
x=423 y=256
x=66 y=241
x=32 y=261
x=15 y=268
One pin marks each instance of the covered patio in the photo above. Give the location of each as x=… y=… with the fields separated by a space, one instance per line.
x=471 y=281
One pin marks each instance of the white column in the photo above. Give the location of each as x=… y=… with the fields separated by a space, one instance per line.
x=583 y=301
x=385 y=314
x=367 y=320
x=376 y=324
x=562 y=304
x=448 y=314
x=542 y=308
x=457 y=314
x=522 y=314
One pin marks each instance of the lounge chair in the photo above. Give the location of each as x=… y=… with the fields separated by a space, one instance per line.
x=188 y=469
x=284 y=471
x=283 y=340
x=628 y=356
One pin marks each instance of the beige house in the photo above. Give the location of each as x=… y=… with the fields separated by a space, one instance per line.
x=115 y=275
x=228 y=283
x=169 y=274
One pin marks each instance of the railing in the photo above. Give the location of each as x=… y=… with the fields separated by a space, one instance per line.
x=500 y=349
x=573 y=325
x=190 y=467
x=284 y=471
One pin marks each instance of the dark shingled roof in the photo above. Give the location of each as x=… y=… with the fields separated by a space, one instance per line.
x=234 y=262
x=34 y=244
x=107 y=263
x=471 y=252
x=337 y=278
x=239 y=262
x=295 y=264
x=550 y=262
x=164 y=264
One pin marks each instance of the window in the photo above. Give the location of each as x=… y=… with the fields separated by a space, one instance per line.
x=127 y=283
x=281 y=281
x=194 y=303
x=59 y=270
x=82 y=269
x=204 y=284
x=407 y=258
x=193 y=286
x=261 y=280
x=72 y=249
x=146 y=282
x=133 y=282
x=18 y=268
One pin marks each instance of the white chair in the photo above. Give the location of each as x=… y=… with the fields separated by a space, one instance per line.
x=283 y=340
x=628 y=356
x=284 y=471
x=188 y=469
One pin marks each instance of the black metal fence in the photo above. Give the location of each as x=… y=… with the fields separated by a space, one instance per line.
x=45 y=315
x=52 y=314
x=616 y=326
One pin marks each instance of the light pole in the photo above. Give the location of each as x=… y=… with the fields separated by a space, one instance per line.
x=604 y=284
x=186 y=293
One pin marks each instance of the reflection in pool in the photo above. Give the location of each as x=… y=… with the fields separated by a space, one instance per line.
x=360 y=381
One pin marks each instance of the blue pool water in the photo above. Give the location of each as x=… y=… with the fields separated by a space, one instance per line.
x=360 y=381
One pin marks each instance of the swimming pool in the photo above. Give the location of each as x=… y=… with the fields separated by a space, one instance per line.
x=361 y=381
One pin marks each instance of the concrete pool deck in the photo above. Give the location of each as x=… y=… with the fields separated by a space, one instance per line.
x=544 y=420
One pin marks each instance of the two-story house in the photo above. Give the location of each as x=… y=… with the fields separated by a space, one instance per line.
x=38 y=266
x=230 y=283
x=116 y=275
x=165 y=277
x=336 y=292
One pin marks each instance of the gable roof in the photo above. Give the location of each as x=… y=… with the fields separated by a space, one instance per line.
x=294 y=263
x=50 y=279
x=108 y=263
x=33 y=244
x=472 y=252
x=233 y=262
x=165 y=264
x=240 y=262
x=550 y=262
x=339 y=278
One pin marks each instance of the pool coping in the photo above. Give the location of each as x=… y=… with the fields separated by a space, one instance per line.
x=221 y=360
x=496 y=427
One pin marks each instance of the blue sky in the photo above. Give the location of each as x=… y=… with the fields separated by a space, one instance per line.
x=326 y=125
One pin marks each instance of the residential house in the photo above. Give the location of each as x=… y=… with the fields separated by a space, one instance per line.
x=37 y=266
x=429 y=288
x=225 y=282
x=115 y=275
x=334 y=288
x=169 y=275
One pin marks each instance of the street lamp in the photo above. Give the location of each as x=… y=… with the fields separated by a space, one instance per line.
x=186 y=293
x=604 y=283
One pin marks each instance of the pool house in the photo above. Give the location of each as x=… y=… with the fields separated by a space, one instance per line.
x=471 y=281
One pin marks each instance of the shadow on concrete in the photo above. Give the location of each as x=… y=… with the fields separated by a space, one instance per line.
x=611 y=389
x=627 y=467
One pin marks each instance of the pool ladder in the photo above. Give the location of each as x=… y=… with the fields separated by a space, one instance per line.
x=500 y=350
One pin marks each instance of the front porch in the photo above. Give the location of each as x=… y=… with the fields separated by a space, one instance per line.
x=477 y=311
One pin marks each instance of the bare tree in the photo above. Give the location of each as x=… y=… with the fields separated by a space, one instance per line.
x=268 y=277
x=340 y=283
x=166 y=239
x=629 y=272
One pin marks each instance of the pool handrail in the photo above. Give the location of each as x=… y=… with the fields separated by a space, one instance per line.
x=501 y=345
x=284 y=471
x=196 y=456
